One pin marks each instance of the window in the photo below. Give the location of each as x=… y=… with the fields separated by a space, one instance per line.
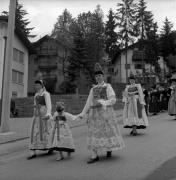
x=138 y=66
x=15 y=54
x=21 y=57
x=14 y=94
x=17 y=77
x=110 y=70
x=18 y=56
x=20 y=78
x=108 y=79
x=116 y=72
x=14 y=76
x=127 y=66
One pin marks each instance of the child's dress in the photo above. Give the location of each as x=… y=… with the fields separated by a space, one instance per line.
x=61 y=136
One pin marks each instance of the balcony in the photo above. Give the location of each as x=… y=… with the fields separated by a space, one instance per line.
x=47 y=52
x=47 y=64
x=50 y=77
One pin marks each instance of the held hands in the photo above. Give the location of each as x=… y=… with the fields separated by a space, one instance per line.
x=45 y=118
x=79 y=116
x=142 y=105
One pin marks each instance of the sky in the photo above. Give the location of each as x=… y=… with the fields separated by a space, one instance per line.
x=43 y=13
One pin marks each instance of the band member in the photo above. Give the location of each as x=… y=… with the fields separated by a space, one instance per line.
x=134 y=115
x=103 y=128
x=146 y=98
x=154 y=101
x=41 y=124
x=163 y=99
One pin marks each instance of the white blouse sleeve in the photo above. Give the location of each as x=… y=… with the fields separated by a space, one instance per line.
x=125 y=94
x=141 y=94
x=110 y=95
x=88 y=103
x=34 y=109
x=70 y=117
x=48 y=103
x=54 y=116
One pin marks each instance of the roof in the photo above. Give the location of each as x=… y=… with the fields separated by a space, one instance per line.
x=44 y=38
x=124 y=49
x=25 y=41
x=38 y=42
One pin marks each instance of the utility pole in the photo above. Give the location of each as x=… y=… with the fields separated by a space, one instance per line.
x=7 y=78
x=126 y=60
x=126 y=41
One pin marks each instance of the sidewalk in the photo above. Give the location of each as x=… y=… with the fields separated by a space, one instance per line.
x=20 y=128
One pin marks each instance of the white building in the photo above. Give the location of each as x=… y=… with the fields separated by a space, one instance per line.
x=135 y=62
x=21 y=46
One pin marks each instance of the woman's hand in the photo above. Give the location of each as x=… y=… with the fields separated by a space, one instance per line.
x=142 y=105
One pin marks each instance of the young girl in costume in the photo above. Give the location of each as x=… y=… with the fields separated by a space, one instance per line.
x=61 y=136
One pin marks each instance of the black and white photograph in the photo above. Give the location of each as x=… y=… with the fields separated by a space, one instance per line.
x=87 y=89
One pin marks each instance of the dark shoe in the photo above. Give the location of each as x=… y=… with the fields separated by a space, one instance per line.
x=50 y=152
x=134 y=133
x=69 y=154
x=60 y=159
x=32 y=157
x=131 y=132
x=109 y=154
x=93 y=160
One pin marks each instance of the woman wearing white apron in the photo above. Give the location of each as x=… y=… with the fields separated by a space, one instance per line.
x=103 y=128
x=172 y=99
x=134 y=115
x=41 y=124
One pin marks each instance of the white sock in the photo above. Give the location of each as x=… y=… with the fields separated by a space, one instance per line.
x=94 y=154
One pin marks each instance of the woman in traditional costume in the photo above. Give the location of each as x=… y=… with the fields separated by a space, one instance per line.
x=172 y=99
x=61 y=136
x=103 y=128
x=134 y=115
x=41 y=124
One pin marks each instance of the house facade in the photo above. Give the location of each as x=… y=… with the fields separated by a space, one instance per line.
x=133 y=61
x=49 y=60
x=21 y=48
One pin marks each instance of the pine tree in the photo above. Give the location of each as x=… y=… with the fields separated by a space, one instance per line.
x=92 y=27
x=63 y=32
x=77 y=57
x=125 y=16
x=167 y=38
x=144 y=20
x=20 y=22
x=111 y=36
x=151 y=45
x=167 y=27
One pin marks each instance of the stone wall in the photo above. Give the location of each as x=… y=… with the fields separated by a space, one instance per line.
x=73 y=104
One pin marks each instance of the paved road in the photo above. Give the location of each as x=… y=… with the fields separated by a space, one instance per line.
x=149 y=156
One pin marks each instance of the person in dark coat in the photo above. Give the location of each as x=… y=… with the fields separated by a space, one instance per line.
x=163 y=99
x=154 y=101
